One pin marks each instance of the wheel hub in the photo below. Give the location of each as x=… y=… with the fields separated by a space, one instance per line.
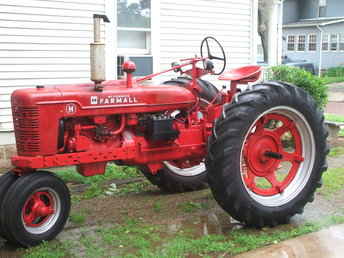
x=264 y=153
x=258 y=147
x=37 y=209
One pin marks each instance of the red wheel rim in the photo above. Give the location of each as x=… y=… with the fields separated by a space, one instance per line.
x=264 y=153
x=38 y=209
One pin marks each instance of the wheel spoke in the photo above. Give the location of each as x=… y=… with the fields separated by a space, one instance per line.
x=292 y=157
x=29 y=218
x=217 y=58
x=36 y=197
x=260 y=125
x=208 y=48
x=50 y=211
x=283 y=129
x=250 y=177
x=271 y=177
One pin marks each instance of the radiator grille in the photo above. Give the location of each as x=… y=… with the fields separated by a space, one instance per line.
x=26 y=126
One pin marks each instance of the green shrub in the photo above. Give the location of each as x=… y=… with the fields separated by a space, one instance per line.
x=335 y=72
x=314 y=85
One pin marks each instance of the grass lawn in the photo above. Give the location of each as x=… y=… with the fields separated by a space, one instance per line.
x=329 y=80
x=95 y=183
x=112 y=172
x=335 y=118
x=137 y=238
x=333 y=182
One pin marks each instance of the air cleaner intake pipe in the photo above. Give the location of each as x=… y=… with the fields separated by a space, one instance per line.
x=97 y=53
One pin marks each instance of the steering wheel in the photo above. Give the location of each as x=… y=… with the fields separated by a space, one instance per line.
x=205 y=42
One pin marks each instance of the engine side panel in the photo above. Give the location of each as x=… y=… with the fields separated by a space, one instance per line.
x=37 y=112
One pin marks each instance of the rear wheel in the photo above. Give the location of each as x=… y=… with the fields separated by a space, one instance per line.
x=6 y=181
x=267 y=154
x=173 y=179
x=35 y=209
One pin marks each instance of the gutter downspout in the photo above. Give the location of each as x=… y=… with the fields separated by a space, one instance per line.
x=280 y=33
x=321 y=50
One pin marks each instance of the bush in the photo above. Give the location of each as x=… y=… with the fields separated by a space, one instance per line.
x=335 y=72
x=314 y=85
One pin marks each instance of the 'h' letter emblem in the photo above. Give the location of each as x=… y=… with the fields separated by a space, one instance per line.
x=94 y=100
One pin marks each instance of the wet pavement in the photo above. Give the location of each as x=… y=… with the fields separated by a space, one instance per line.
x=327 y=243
x=335 y=108
x=336 y=99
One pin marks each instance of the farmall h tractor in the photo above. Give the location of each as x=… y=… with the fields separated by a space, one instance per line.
x=262 y=150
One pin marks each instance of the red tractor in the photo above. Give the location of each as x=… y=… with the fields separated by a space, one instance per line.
x=262 y=149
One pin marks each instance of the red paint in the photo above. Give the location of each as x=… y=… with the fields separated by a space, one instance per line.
x=76 y=125
x=257 y=164
x=247 y=73
x=38 y=208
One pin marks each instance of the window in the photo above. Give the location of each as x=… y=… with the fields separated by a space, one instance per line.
x=334 y=42
x=312 y=42
x=341 y=42
x=134 y=26
x=301 y=44
x=325 y=43
x=291 y=43
x=322 y=8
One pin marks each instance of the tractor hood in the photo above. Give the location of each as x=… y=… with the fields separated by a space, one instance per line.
x=115 y=95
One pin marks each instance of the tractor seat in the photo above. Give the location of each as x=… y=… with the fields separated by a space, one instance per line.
x=245 y=74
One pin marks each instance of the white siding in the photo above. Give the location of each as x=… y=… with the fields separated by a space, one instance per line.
x=43 y=42
x=183 y=24
x=46 y=41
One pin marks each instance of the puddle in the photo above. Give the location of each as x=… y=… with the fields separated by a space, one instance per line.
x=208 y=223
x=327 y=243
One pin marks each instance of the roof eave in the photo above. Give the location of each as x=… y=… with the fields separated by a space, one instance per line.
x=312 y=25
x=299 y=26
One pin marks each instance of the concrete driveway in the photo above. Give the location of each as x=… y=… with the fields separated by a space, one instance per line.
x=336 y=99
x=327 y=243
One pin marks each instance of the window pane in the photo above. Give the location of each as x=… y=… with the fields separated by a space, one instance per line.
x=341 y=42
x=334 y=42
x=134 y=13
x=312 y=43
x=325 y=44
x=301 y=46
x=322 y=2
x=291 y=43
x=132 y=39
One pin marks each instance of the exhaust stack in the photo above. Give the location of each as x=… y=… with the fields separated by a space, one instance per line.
x=97 y=51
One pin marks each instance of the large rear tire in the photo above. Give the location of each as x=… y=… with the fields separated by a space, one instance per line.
x=6 y=181
x=254 y=174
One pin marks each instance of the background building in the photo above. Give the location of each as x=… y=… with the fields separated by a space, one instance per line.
x=313 y=30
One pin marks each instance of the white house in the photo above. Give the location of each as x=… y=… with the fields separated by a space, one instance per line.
x=47 y=41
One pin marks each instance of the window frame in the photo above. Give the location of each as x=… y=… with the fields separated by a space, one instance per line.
x=288 y=42
x=341 y=42
x=334 y=42
x=304 y=43
x=325 y=36
x=136 y=51
x=315 y=42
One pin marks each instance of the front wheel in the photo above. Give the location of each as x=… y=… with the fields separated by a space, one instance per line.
x=35 y=209
x=267 y=154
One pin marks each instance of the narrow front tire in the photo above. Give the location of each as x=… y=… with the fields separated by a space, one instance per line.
x=35 y=209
